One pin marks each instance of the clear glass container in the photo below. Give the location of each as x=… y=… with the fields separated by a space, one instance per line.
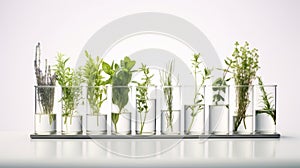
x=171 y=109
x=218 y=109
x=194 y=119
x=96 y=118
x=123 y=124
x=170 y=122
x=96 y=123
x=71 y=98
x=44 y=118
x=194 y=113
x=243 y=109
x=122 y=106
x=265 y=109
x=146 y=120
x=71 y=125
x=146 y=110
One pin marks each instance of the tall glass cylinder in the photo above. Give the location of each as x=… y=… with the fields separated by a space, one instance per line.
x=146 y=110
x=44 y=118
x=243 y=109
x=194 y=112
x=218 y=109
x=71 y=98
x=122 y=108
x=171 y=109
x=265 y=109
x=96 y=117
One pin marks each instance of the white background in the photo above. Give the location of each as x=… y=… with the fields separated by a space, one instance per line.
x=272 y=26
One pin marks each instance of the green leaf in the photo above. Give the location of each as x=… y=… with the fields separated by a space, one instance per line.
x=106 y=68
x=115 y=117
x=218 y=82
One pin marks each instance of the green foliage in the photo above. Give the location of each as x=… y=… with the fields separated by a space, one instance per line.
x=219 y=85
x=166 y=81
x=93 y=75
x=142 y=98
x=115 y=119
x=120 y=78
x=198 y=96
x=70 y=81
x=267 y=100
x=243 y=66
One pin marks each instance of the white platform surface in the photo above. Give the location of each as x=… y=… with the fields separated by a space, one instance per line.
x=18 y=150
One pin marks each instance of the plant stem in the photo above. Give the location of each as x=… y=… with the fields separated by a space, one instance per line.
x=170 y=109
x=242 y=102
x=191 y=124
x=268 y=108
x=143 y=122
x=66 y=119
x=116 y=129
x=223 y=81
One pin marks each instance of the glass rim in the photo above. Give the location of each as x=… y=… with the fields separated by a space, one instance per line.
x=104 y=86
x=121 y=86
x=45 y=86
x=193 y=86
x=165 y=86
x=154 y=86
x=71 y=86
x=72 y=115
x=94 y=114
x=151 y=99
x=242 y=85
x=267 y=85
x=218 y=86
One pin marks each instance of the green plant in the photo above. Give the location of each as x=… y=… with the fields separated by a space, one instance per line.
x=121 y=77
x=94 y=78
x=219 y=85
x=45 y=85
x=167 y=83
x=268 y=101
x=142 y=98
x=70 y=81
x=243 y=67
x=198 y=96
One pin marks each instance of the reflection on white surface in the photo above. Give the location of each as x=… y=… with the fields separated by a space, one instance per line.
x=96 y=150
x=45 y=149
x=145 y=148
x=242 y=149
x=119 y=148
x=265 y=148
x=163 y=149
x=218 y=149
x=195 y=149
x=18 y=149
x=71 y=149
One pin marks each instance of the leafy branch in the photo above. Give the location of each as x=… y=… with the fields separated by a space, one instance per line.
x=267 y=100
x=244 y=66
x=70 y=81
x=220 y=83
x=166 y=81
x=142 y=94
x=198 y=96
x=121 y=77
x=96 y=91
x=93 y=74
